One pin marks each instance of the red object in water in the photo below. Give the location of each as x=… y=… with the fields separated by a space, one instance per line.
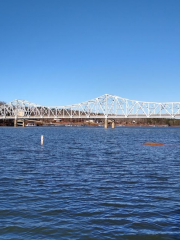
x=153 y=144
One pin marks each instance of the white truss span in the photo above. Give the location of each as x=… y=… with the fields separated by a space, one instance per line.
x=106 y=106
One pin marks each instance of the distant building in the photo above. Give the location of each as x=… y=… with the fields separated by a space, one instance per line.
x=90 y=121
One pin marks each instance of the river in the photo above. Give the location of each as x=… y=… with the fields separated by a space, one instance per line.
x=89 y=183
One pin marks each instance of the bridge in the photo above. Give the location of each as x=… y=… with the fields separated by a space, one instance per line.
x=108 y=107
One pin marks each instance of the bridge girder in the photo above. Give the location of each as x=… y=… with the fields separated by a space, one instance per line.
x=105 y=106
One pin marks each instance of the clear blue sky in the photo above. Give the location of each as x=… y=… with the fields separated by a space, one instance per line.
x=57 y=52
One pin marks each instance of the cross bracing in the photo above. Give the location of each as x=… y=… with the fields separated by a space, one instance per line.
x=105 y=106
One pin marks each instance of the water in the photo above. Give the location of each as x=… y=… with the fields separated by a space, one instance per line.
x=89 y=183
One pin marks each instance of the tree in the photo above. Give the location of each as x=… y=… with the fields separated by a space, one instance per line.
x=2 y=103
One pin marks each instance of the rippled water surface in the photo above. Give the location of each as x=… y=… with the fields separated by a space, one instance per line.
x=89 y=183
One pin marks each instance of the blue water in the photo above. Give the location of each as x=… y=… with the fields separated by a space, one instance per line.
x=89 y=183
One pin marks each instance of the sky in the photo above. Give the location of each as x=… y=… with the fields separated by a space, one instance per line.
x=60 y=52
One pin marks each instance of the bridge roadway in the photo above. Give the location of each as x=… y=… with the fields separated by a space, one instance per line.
x=108 y=107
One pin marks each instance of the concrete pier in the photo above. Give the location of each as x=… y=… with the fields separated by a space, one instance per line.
x=15 y=122
x=19 y=123
x=105 y=123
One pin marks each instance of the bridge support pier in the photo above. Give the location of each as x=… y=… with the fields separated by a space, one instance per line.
x=113 y=124
x=19 y=122
x=15 y=122
x=105 y=123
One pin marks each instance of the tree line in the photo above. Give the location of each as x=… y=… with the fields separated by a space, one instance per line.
x=2 y=103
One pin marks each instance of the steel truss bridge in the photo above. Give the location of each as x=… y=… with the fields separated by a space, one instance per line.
x=106 y=106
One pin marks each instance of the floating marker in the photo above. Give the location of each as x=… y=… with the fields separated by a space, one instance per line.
x=42 y=139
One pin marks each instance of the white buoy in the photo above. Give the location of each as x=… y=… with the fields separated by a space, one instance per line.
x=42 y=139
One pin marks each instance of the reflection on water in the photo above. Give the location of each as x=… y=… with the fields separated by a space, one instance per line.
x=89 y=183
